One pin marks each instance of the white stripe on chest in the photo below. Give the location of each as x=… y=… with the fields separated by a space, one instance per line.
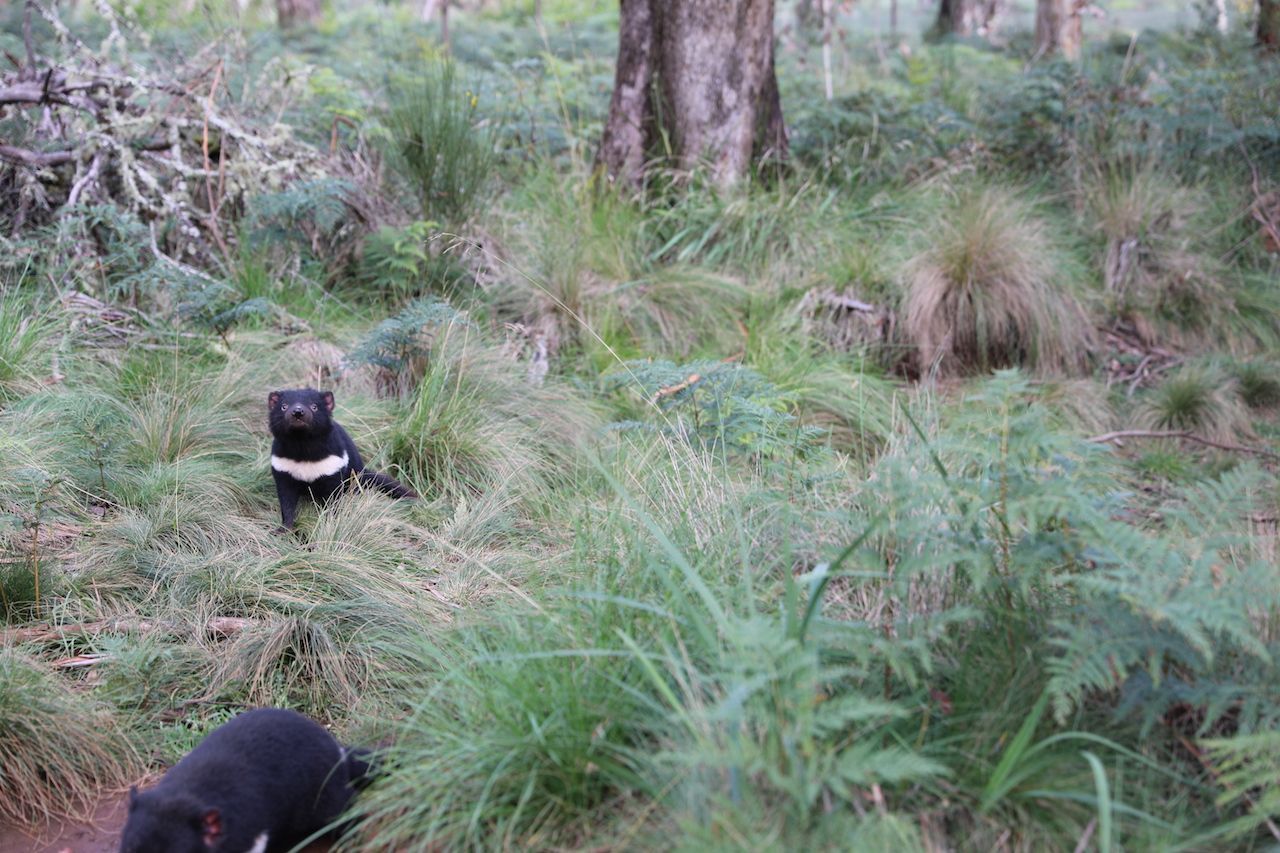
x=259 y=844
x=309 y=472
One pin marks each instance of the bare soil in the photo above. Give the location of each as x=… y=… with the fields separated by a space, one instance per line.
x=99 y=834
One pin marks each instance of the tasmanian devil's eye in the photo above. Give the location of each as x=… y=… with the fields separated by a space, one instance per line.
x=285 y=407
x=314 y=407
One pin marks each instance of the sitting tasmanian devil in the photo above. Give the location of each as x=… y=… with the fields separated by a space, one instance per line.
x=312 y=453
x=265 y=781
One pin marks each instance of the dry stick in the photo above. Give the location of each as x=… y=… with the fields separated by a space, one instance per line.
x=1083 y=845
x=208 y=167
x=1189 y=436
x=825 y=10
x=26 y=35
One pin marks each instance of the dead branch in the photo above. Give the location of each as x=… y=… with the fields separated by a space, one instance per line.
x=677 y=388
x=1119 y=436
x=35 y=159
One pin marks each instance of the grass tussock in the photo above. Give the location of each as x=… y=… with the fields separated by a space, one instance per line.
x=477 y=424
x=990 y=291
x=25 y=347
x=1203 y=400
x=59 y=748
x=699 y=563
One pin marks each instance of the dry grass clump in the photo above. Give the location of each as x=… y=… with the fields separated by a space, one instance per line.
x=58 y=749
x=989 y=291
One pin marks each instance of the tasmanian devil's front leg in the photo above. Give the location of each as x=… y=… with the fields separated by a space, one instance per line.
x=288 y=492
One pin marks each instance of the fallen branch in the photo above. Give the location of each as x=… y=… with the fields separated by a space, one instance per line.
x=1118 y=436
x=37 y=159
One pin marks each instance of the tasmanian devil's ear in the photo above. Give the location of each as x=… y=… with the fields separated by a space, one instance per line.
x=133 y=796
x=211 y=826
x=327 y=396
x=273 y=399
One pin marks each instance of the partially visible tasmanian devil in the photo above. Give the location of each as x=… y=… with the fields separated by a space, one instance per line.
x=263 y=782
x=312 y=453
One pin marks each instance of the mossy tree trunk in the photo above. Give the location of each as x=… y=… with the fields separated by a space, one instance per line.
x=295 y=13
x=1269 y=24
x=1058 y=28
x=695 y=79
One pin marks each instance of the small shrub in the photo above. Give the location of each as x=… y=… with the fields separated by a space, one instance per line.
x=989 y=292
x=399 y=263
x=439 y=142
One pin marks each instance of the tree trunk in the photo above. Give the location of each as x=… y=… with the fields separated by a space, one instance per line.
x=293 y=13
x=1269 y=24
x=697 y=75
x=1058 y=28
x=957 y=17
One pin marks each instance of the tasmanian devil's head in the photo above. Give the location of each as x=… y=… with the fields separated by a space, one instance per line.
x=171 y=823
x=301 y=412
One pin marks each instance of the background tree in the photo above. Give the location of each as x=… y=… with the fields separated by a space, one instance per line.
x=1269 y=24
x=957 y=17
x=1058 y=28
x=292 y=13
x=697 y=76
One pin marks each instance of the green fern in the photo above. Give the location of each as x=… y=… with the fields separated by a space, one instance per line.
x=715 y=405
x=400 y=340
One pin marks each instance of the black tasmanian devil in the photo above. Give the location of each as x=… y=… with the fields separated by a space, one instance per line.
x=313 y=454
x=265 y=781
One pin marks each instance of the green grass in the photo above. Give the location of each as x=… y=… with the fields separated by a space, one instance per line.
x=700 y=562
x=60 y=749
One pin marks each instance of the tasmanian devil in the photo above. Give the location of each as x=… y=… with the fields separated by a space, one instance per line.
x=312 y=453
x=265 y=781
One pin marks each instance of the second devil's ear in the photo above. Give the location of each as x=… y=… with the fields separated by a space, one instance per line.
x=273 y=399
x=211 y=827
x=327 y=396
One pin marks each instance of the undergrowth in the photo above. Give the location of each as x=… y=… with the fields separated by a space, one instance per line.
x=834 y=511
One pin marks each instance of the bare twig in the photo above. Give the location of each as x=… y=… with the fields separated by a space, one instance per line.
x=35 y=159
x=1119 y=436
x=677 y=388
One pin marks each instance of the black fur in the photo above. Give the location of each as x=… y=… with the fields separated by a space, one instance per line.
x=267 y=770
x=304 y=431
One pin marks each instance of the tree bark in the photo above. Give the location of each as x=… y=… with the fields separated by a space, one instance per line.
x=1058 y=28
x=695 y=81
x=967 y=18
x=1269 y=24
x=294 y=13
x=957 y=17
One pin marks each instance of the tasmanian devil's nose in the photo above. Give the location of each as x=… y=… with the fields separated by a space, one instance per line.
x=297 y=412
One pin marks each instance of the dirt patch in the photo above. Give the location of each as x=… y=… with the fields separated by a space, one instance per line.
x=100 y=834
